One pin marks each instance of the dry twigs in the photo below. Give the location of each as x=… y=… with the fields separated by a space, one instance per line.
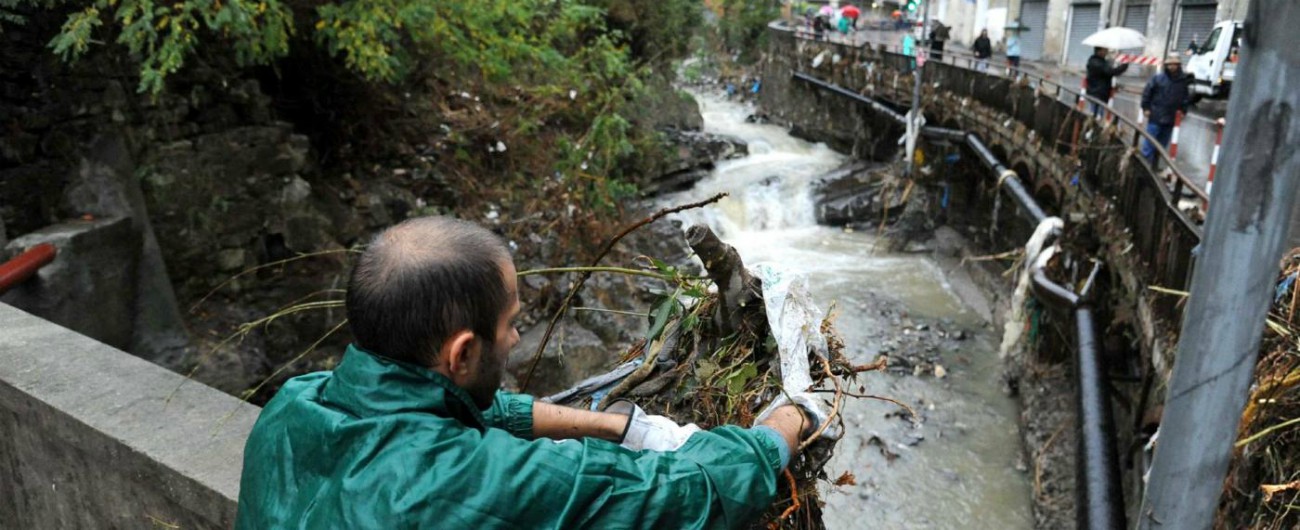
x=1262 y=490
x=582 y=277
x=835 y=406
x=794 y=499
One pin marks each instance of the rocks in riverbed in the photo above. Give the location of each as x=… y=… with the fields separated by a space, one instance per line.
x=858 y=193
x=694 y=154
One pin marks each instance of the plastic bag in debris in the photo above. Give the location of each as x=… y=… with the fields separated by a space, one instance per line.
x=795 y=322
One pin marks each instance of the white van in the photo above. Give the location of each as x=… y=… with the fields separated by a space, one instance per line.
x=1214 y=62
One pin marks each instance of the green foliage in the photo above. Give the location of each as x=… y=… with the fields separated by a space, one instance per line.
x=659 y=31
x=743 y=23
x=381 y=40
x=162 y=36
x=577 y=64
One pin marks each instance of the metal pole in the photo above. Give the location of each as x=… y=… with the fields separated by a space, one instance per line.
x=914 y=116
x=1233 y=282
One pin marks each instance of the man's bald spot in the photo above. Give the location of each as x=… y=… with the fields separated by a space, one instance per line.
x=425 y=279
x=430 y=241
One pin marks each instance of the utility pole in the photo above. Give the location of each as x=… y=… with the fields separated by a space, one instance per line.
x=1233 y=283
x=914 y=115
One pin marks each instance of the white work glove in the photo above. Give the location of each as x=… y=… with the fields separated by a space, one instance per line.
x=649 y=432
x=814 y=409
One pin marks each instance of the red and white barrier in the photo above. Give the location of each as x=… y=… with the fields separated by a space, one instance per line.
x=1173 y=139
x=1138 y=59
x=1110 y=103
x=1083 y=89
x=1214 y=157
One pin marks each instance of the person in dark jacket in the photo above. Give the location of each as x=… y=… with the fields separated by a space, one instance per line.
x=1165 y=95
x=1101 y=77
x=983 y=49
x=820 y=26
x=939 y=35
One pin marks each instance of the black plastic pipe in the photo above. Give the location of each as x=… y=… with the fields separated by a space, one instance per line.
x=1100 y=496
x=952 y=135
x=878 y=106
x=985 y=155
x=1098 y=491
x=1008 y=179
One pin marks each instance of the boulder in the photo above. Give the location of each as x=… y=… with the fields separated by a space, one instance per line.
x=662 y=106
x=850 y=194
x=90 y=286
x=692 y=156
x=573 y=353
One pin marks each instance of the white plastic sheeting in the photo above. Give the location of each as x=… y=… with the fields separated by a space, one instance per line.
x=796 y=324
x=1015 y=326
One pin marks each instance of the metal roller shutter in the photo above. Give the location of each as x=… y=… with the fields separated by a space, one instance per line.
x=1084 y=21
x=1034 y=16
x=1135 y=17
x=1194 y=21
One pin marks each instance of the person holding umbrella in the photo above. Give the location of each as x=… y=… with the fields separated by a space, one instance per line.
x=822 y=23
x=851 y=13
x=938 y=36
x=1101 y=78
x=1101 y=72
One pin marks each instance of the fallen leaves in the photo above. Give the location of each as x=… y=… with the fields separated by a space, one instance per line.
x=1273 y=489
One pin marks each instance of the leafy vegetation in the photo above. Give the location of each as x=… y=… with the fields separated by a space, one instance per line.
x=742 y=24
x=555 y=77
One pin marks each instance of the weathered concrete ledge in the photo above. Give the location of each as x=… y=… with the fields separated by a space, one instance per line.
x=97 y=438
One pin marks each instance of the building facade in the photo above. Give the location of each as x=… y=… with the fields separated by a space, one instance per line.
x=1058 y=27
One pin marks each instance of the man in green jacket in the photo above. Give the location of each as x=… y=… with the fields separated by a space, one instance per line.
x=410 y=430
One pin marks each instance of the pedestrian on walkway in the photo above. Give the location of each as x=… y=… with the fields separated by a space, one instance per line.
x=1165 y=95
x=1101 y=78
x=983 y=50
x=909 y=49
x=938 y=36
x=820 y=26
x=1013 y=50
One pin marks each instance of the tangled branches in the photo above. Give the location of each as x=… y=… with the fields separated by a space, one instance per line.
x=1263 y=485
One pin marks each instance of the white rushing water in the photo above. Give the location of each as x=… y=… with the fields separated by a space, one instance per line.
x=959 y=468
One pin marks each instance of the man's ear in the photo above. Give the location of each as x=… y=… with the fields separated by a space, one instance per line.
x=458 y=353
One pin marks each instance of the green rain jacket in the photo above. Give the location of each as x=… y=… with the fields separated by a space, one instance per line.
x=382 y=444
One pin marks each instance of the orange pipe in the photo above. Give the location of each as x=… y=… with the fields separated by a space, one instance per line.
x=25 y=265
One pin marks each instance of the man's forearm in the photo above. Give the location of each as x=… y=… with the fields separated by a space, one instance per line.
x=558 y=422
x=790 y=423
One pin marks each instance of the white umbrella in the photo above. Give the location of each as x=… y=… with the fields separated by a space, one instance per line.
x=1116 y=39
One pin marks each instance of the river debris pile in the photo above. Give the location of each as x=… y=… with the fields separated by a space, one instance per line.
x=711 y=358
x=1263 y=485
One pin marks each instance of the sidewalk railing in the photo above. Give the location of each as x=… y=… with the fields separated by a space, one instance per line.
x=1107 y=152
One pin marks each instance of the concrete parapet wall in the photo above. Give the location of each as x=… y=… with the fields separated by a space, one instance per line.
x=97 y=438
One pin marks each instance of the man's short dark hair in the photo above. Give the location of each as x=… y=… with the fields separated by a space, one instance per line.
x=423 y=280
